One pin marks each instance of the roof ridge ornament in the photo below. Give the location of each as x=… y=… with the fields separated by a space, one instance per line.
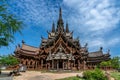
x=53 y=27
x=86 y=45
x=67 y=28
x=108 y=51
x=60 y=13
x=42 y=37
x=101 y=48
x=23 y=42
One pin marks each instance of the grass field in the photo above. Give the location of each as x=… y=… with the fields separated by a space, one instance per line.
x=71 y=78
x=115 y=75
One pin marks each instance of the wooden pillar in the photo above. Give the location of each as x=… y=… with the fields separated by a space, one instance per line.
x=52 y=64
x=63 y=64
x=78 y=64
x=67 y=64
x=28 y=64
x=74 y=64
x=49 y=65
x=57 y=65
x=35 y=64
x=41 y=63
x=84 y=65
x=46 y=64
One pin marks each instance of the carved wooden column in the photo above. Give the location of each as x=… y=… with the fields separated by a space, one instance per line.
x=68 y=64
x=57 y=65
x=28 y=64
x=71 y=65
x=46 y=65
x=84 y=65
x=63 y=64
x=35 y=64
x=52 y=64
x=41 y=63
x=78 y=64
x=74 y=63
x=49 y=65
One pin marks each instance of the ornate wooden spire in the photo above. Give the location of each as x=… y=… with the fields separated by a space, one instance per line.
x=67 y=28
x=60 y=13
x=60 y=26
x=53 y=27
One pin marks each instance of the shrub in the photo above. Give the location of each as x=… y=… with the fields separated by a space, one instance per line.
x=96 y=74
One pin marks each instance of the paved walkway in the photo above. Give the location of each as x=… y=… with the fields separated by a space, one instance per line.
x=36 y=75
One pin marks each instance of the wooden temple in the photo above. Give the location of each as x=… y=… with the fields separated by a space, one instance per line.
x=60 y=51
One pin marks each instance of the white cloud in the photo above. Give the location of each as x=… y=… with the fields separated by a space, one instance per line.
x=97 y=18
x=93 y=19
x=98 y=42
x=37 y=12
x=98 y=15
x=113 y=41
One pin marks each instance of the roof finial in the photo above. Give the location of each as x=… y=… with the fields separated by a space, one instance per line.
x=42 y=37
x=86 y=44
x=108 y=51
x=60 y=24
x=60 y=13
x=53 y=27
x=101 y=48
x=67 y=28
x=23 y=41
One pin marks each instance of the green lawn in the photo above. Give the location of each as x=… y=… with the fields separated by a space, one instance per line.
x=70 y=78
x=115 y=75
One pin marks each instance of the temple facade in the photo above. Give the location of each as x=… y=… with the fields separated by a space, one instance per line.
x=60 y=51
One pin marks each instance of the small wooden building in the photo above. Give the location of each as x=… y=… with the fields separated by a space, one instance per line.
x=60 y=51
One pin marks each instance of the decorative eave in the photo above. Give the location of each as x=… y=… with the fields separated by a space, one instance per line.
x=21 y=53
x=29 y=48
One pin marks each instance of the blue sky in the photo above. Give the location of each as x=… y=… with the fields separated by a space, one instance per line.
x=96 y=22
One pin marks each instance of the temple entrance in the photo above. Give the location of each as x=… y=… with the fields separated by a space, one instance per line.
x=60 y=64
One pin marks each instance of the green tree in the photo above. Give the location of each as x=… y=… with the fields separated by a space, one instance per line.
x=115 y=62
x=8 y=60
x=9 y=25
x=105 y=63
